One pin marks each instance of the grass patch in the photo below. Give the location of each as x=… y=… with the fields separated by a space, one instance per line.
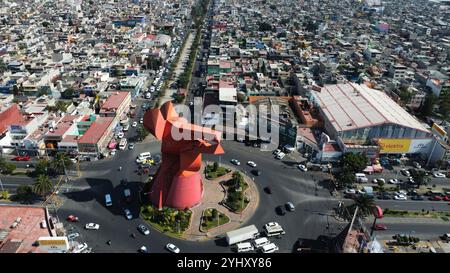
x=172 y=222
x=213 y=171
x=419 y=214
x=213 y=218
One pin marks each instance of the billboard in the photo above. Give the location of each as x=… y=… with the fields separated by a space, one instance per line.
x=404 y=145
x=54 y=244
x=438 y=131
x=397 y=145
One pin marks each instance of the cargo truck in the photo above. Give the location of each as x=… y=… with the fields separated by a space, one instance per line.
x=242 y=234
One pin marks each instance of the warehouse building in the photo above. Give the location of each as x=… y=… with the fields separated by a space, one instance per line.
x=362 y=119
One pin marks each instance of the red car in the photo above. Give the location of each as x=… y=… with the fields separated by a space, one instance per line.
x=446 y=198
x=21 y=158
x=72 y=218
x=436 y=198
x=380 y=227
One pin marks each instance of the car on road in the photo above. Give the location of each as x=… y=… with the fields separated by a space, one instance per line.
x=417 y=198
x=405 y=172
x=280 y=210
x=72 y=218
x=280 y=156
x=127 y=195
x=302 y=167
x=416 y=165
x=446 y=198
x=251 y=164
x=256 y=172
x=21 y=158
x=92 y=226
x=289 y=206
x=131 y=146
x=277 y=151
x=235 y=162
x=380 y=227
x=268 y=190
x=134 y=124
x=384 y=196
x=72 y=236
x=394 y=181
x=400 y=197
x=172 y=248
x=128 y=214
x=435 y=198
x=143 y=229
x=439 y=175
x=141 y=120
x=377 y=180
x=143 y=249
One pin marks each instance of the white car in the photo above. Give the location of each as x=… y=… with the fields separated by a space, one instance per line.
x=92 y=226
x=134 y=124
x=394 y=181
x=302 y=167
x=439 y=175
x=400 y=197
x=141 y=120
x=350 y=191
x=405 y=172
x=376 y=180
x=280 y=155
x=120 y=135
x=251 y=164
x=80 y=248
x=277 y=151
x=235 y=162
x=172 y=248
x=128 y=214
x=113 y=152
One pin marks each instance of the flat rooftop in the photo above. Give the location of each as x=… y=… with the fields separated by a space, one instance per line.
x=351 y=106
x=21 y=238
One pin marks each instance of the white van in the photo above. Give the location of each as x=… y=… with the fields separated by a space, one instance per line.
x=260 y=242
x=360 y=177
x=108 y=200
x=143 y=156
x=280 y=155
x=270 y=248
x=244 y=247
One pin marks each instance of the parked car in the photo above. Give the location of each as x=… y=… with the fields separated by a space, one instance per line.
x=417 y=198
x=350 y=191
x=92 y=226
x=376 y=180
x=400 y=197
x=131 y=146
x=235 y=162
x=21 y=158
x=302 y=167
x=72 y=236
x=172 y=248
x=446 y=198
x=251 y=164
x=405 y=172
x=128 y=214
x=289 y=206
x=143 y=229
x=280 y=210
x=384 y=196
x=439 y=175
x=394 y=181
x=120 y=135
x=277 y=151
x=435 y=198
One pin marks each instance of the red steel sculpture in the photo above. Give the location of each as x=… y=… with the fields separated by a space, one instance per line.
x=178 y=182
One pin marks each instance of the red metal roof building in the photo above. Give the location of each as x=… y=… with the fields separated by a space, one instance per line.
x=96 y=138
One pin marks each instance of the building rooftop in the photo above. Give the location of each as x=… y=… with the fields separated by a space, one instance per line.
x=352 y=106
x=96 y=131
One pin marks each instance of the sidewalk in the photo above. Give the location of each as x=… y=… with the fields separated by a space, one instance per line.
x=213 y=194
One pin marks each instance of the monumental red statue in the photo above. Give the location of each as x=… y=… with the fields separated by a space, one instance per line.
x=178 y=183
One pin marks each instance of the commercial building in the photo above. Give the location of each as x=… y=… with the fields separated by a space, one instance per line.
x=362 y=119
x=95 y=140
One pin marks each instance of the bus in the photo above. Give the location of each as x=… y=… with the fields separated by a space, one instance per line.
x=123 y=144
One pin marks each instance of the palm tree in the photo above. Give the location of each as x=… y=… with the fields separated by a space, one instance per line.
x=364 y=203
x=61 y=162
x=43 y=185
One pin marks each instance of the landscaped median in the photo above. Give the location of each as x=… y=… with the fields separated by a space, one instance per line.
x=213 y=171
x=235 y=198
x=212 y=218
x=416 y=213
x=172 y=222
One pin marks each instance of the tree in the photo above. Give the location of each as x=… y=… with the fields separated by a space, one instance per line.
x=428 y=104
x=45 y=24
x=41 y=167
x=24 y=192
x=61 y=162
x=380 y=184
x=141 y=132
x=4 y=194
x=215 y=167
x=6 y=167
x=419 y=177
x=346 y=179
x=264 y=26
x=364 y=203
x=354 y=162
x=68 y=93
x=153 y=63
x=42 y=185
